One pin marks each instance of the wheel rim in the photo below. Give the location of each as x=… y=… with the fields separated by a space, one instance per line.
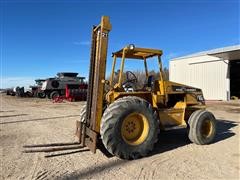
x=42 y=94
x=55 y=95
x=135 y=129
x=206 y=129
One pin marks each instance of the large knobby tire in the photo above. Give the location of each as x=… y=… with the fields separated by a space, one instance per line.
x=54 y=94
x=129 y=128
x=202 y=127
x=41 y=94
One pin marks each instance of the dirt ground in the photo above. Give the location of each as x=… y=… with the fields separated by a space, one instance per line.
x=36 y=121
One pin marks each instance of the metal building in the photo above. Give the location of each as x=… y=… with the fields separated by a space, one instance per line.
x=216 y=72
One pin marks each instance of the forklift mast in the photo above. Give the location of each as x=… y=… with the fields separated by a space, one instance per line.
x=89 y=130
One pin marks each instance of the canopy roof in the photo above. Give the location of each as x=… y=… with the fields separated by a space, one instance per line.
x=138 y=53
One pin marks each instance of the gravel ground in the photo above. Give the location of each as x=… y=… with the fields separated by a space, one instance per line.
x=36 y=121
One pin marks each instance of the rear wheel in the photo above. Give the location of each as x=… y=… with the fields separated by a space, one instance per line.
x=129 y=128
x=202 y=127
x=54 y=94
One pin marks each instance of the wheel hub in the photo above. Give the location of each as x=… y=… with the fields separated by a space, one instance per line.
x=135 y=128
x=206 y=128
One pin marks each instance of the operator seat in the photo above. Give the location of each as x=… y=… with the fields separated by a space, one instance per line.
x=149 y=82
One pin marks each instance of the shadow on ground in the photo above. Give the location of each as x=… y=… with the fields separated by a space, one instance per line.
x=66 y=153
x=14 y=115
x=90 y=172
x=39 y=119
x=224 y=129
x=168 y=140
x=8 y=111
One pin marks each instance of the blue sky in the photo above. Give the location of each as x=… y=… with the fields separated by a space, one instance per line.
x=40 y=38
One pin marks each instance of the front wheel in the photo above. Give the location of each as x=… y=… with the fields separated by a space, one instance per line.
x=129 y=128
x=41 y=94
x=202 y=127
x=54 y=94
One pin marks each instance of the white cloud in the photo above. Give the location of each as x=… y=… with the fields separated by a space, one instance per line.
x=82 y=43
x=9 y=82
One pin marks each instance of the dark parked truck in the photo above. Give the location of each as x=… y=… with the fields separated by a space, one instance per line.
x=55 y=87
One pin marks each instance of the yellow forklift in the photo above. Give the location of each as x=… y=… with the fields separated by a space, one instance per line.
x=126 y=119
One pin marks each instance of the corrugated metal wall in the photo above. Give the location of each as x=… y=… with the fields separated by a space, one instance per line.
x=206 y=72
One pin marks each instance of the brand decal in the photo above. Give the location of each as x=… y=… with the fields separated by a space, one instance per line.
x=184 y=89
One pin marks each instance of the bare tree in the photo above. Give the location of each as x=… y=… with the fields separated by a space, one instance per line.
x=141 y=76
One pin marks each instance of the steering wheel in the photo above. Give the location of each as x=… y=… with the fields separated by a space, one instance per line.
x=130 y=77
x=130 y=83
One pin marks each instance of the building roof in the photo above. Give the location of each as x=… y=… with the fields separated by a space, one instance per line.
x=230 y=52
